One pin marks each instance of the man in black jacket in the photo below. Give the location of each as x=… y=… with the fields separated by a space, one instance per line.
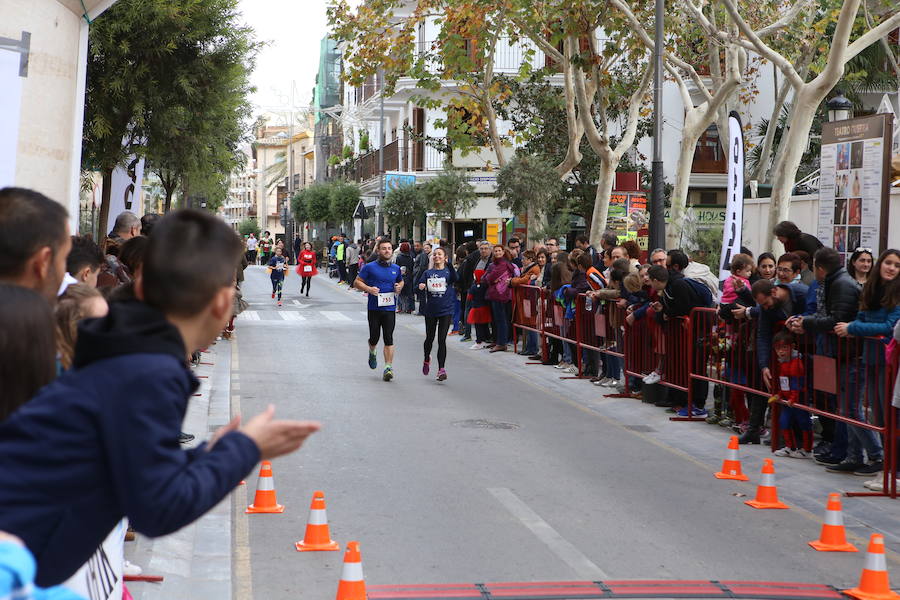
x=677 y=299
x=838 y=302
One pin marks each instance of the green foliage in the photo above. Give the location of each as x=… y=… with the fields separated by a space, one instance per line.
x=343 y=198
x=347 y=152
x=449 y=194
x=334 y=160
x=403 y=205
x=529 y=182
x=299 y=208
x=248 y=226
x=171 y=78
x=318 y=202
x=364 y=141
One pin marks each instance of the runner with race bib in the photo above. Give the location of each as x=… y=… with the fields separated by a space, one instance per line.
x=382 y=281
x=306 y=267
x=440 y=293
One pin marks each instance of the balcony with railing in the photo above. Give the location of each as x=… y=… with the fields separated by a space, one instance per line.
x=509 y=54
x=367 y=164
x=709 y=157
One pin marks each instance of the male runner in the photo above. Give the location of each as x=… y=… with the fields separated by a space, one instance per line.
x=382 y=281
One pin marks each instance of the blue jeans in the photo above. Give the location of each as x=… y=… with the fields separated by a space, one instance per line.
x=456 y=308
x=860 y=438
x=531 y=343
x=613 y=366
x=502 y=311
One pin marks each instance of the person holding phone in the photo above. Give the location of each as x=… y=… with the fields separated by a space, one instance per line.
x=382 y=280
x=437 y=285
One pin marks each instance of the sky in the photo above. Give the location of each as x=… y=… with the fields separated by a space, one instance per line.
x=293 y=30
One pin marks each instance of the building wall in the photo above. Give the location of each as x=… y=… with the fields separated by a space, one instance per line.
x=45 y=156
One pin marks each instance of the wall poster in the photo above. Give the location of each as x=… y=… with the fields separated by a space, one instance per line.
x=854 y=184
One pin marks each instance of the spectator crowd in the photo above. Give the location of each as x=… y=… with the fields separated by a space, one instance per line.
x=757 y=333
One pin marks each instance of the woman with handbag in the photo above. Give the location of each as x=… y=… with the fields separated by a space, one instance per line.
x=498 y=279
x=306 y=267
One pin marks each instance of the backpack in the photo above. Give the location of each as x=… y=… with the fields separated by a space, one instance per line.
x=702 y=292
x=560 y=297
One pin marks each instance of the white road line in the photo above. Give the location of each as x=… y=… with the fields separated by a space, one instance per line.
x=249 y=315
x=292 y=316
x=561 y=547
x=333 y=315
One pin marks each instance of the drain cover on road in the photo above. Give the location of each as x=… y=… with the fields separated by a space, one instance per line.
x=485 y=424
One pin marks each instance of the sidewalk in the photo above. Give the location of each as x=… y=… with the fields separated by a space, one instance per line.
x=195 y=561
x=802 y=484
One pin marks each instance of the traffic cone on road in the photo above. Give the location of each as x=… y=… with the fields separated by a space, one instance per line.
x=731 y=466
x=352 y=585
x=873 y=583
x=265 y=501
x=833 y=538
x=766 y=492
x=318 y=536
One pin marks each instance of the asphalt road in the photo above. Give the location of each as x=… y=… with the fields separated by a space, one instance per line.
x=436 y=488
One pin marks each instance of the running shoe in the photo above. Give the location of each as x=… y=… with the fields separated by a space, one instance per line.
x=477 y=346
x=783 y=452
x=279 y=303
x=652 y=378
x=373 y=360
x=800 y=453
x=273 y=295
x=442 y=375
x=426 y=367
x=695 y=412
x=388 y=374
x=466 y=338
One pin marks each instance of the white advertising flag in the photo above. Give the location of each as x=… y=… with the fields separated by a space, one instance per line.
x=126 y=189
x=10 y=109
x=734 y=209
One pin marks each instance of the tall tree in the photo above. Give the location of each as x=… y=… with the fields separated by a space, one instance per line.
x=343 y=198
x=403 y=206
x=837 y=22
x=166 y=79
x=448 y=195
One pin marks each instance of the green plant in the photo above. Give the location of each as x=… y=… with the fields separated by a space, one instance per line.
x=334 y=160
x=364 y=141
x=448 y=195
x=347 y=152
x=248 y=226
x=299 y=208
x=318 y=202
x=528 y=182
x=343 y=198
x=403 y=205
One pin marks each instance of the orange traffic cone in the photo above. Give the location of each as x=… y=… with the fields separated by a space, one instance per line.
x=264 y=501
x=874 y=584
x=766 y=492
x=352 y=585
x=833 y=537
x=318 y=536
x=731 y=466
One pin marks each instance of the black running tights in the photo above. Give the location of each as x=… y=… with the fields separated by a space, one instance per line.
x=439 y=325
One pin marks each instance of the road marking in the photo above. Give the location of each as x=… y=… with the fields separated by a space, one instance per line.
x=332 y=315
x=298 y=303
x=249 y=315
x=292 y=316
x=561 y=547
x=242 y=575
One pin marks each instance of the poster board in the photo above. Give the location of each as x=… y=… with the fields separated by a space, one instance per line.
x=627 y=215
x=854 y=184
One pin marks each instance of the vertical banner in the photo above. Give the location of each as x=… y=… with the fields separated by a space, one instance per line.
x=10 y=108
x=734 y=209
x=126 y=190
x=100 y=578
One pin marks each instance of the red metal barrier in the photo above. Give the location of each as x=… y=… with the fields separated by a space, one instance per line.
x=846 y=379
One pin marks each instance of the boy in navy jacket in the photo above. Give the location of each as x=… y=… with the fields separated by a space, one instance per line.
x=101 y=442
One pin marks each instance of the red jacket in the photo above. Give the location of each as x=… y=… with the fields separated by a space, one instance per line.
x=306 y=259
x=790 y=378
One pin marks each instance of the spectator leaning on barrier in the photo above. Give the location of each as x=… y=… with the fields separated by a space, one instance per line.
x=806 y=274
x=678 y=261
x=77 y=458
x=837 y=300
x=775 y=304
x=678 y=297
x=552 y=246
x=859 y=265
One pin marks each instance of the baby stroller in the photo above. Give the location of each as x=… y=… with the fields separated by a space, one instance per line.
x=332 y=268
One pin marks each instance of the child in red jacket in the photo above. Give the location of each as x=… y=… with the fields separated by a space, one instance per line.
x=790 y=377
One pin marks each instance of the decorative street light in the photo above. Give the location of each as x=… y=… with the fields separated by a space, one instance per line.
x=839 y=107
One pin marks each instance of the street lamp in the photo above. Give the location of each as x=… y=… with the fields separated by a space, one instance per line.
x=839 y=107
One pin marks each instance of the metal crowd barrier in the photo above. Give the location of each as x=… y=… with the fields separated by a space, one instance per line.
x=847 y=380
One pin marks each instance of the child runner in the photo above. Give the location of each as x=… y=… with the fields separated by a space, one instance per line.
x=789 y=380
x=278 y=269
x=437 y=284
x=306 y=267
x=382 y=280
x=479 y=310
